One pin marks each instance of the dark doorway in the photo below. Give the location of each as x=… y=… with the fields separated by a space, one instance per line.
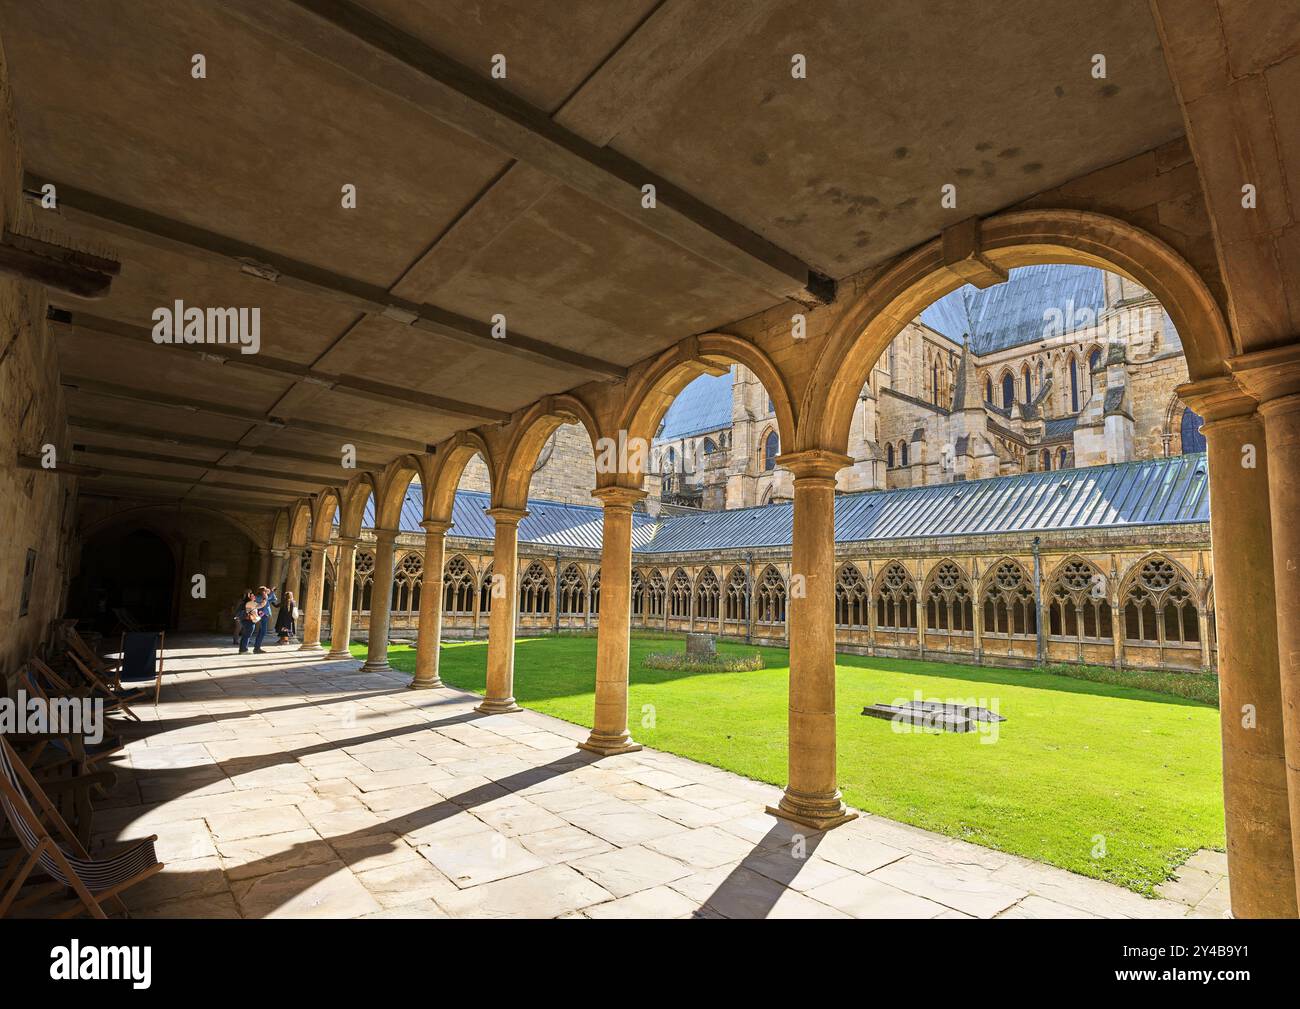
x=134 y=571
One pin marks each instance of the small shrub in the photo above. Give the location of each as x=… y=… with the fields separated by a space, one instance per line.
x=721 y=663
x=1203 y=687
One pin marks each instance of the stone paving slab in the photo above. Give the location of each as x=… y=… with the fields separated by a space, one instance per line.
x=290 y=786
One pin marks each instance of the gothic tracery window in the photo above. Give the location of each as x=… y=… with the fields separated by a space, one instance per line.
x=707 y=592
x=770 y=597
x=457 y=587
x=1078 y=606
x=593 y=594
x=948 y=602
x=407 y=580
x=535 y=590
x=485 y=591
x=851 y=597
x=1009 y=601
x=771 y=448
x=680 y=595
x=364 y=568
x=737 y=595
x=572 y=592
x=1160 y=605
x=895 y=599
x=638 y=594
x=656 y=594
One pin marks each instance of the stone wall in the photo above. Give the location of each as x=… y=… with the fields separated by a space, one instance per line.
x=37 y=505
x=565 y=470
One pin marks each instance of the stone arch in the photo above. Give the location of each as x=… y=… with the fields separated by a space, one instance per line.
x=445 y=469
x=852 y=597
x=299 y=523
x=353 y=510
x=1007 y=599
x=867 y=325
x=390 y=490
x=894 y=593
x=326 y=511
x=1159 y=601
x=651 y=391
x=142 y=513
x=529 y=435
x=1078 y=600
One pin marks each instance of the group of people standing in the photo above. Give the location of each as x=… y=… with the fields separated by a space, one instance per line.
x=252 y=617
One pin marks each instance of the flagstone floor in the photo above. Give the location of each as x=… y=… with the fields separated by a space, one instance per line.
x=283 y=785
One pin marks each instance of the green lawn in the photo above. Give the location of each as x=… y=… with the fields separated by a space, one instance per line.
x=1076 y=766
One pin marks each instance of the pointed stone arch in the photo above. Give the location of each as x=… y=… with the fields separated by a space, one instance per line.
x=391 y=488
x=352 y=508
x=325 y=513
x=445 y=469
x=529 y=433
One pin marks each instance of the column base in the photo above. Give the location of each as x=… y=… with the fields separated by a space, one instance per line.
x=609 y=746
x=497 y=706
x=332 y=654
x=381 y=666
x=818 y=812
x=432 y=684
x=308 y=647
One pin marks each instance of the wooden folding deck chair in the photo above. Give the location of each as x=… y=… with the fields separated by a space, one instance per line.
x=94 y=881
x=39 y=680
x=113 y=699
x=142 y=659
x=105 y=669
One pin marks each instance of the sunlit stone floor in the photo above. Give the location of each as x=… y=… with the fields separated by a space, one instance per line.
x=282 y=785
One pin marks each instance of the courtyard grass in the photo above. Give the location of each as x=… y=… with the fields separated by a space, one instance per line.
x=1113 y=782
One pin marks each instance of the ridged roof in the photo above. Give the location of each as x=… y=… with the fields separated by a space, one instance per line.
x=1011 y=314
x=704 y=405
x=1168 y=491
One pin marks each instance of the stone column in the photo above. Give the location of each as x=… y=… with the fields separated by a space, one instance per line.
x=315 y=594
x=381 y=602
x=812 y=797
x=1256 y=810
x=609 y=733
x=279 y=567
x=263 y=566
x=293 y=574
x=501 y=619
x=430 y=632
x=345 y=570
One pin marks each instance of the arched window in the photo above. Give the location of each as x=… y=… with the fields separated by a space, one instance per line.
x=1094 y=362
x=737 y=595
x=457 y=587
x=769 y=597
x=988 y=390
x=710 y=446
x=934 y=381
x=364 y=568
x=948 y=600
x=1045 y=457
x=1029 y=387
x=672 y=460
x=771 y=448
x=851 y=597
x=895 y=599
x=707 y=592
x=1009 y=602
x=1189 y=428
x=656 y=594
x=1061 y=457
x=889 y=455
x=680 y=595
x=1079 y=607
x=1159 y=605
x=593 y=595
x=572 y=593
x=1008 y=390
x=485 y=591
x=535 y=591
x=638 y=594
x=406 y=584
x=1074 y=385
x=902 y=453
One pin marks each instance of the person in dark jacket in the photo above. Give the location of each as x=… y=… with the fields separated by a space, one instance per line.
x=263 y=601
x=286 y=625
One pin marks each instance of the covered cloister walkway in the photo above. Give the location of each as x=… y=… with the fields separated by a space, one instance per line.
x=281 y=786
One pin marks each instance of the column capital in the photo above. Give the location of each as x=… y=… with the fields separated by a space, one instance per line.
x=348 y=541
x=619 y=497
x=815 y=463
x=317 y=544
x=279 y=551
x=386 y=536
x=439 y=527
x=1269 y=374
x=509 y=516
x=1217 y=399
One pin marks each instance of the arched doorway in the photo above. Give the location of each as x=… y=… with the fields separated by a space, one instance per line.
x=132 y=570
